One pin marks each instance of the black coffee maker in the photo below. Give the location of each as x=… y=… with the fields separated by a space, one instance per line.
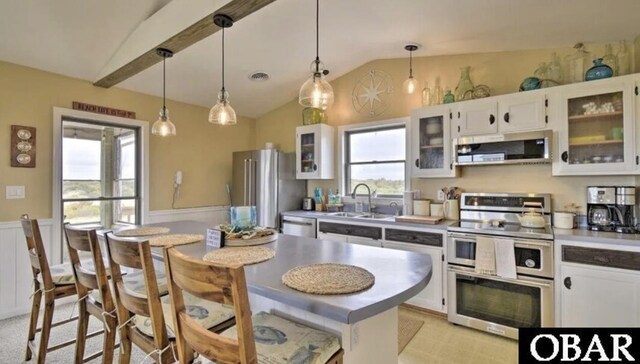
x=611 y=208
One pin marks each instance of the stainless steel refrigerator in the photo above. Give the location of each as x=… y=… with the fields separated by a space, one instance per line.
x=267 y=179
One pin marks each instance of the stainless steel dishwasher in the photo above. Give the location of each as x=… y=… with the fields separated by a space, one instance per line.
x=299 y=226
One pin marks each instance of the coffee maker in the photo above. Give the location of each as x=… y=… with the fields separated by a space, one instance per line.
x=611 y=208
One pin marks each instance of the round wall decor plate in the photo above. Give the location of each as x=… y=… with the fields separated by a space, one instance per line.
x=24 y=134
x=23 y=158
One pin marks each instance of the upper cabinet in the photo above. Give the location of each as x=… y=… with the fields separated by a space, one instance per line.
x=314 y=151
x=430 y=135
x=511 y=113
x=595 y=128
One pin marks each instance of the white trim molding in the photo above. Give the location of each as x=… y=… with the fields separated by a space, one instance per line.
x=213 y=215
x=58 y=115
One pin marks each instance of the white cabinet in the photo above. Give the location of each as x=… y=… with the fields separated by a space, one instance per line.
x=314 y=151
x=476 y=117
x=524 y=111
x=595 y=124
x=332 y=237
x=364 y=241
x=599 y=297
x=597 y=285
x=430 y=138
x=432 y=296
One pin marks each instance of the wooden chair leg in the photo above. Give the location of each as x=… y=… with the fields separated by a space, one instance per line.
x=33 y=321
x=109 y=340
x=81 y=336
x=49 y=307
x=125 y=346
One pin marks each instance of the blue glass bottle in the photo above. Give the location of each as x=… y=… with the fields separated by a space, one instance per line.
x=598 y=71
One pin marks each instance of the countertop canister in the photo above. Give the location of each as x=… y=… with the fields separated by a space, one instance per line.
x=421 y=207
x=564 y=220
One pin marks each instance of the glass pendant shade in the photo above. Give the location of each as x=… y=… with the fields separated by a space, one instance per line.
x=163 y=126
x=316 y=92
x=222 y=113
x=410 y=85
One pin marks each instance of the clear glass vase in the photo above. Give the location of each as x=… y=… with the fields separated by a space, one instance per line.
x=437 y=93
x=610 y=59
x=624 y=59
x=426 y=95
x=464 y=90
x=577 y=64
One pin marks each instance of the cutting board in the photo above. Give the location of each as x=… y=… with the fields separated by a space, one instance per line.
x=416 y=219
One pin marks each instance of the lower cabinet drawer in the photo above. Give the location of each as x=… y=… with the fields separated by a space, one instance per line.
x=414 y=237
x=601 y=257
x=351 y=230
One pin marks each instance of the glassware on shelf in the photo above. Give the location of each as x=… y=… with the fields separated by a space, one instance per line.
x=312 y=115
x=576 y=64
x=554 y=70
x=449 y=97
x=610 y=59
x=426 y=95
x=464 y=90
x=437 y=93
x=624 y=59
x=598 y=71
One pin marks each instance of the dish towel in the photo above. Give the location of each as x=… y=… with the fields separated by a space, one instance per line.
x=485 y=256
x=505 y=258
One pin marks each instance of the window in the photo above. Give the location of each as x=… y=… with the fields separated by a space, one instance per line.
x=376 y=156
x=99 y=174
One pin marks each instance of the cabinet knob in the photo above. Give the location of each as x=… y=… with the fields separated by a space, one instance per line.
x=506 y=117
x=315 y=167
x=567 y=282
x=565 y=156
x=418 y=162
x=492 y=119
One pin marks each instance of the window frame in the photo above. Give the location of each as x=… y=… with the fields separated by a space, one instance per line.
x=344 y=152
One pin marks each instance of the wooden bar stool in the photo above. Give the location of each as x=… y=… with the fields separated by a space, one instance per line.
x=94 y=294
x=265 y=338
x=142 y=314
x=51 y=283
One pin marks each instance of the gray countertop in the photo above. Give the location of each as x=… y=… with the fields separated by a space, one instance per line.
x=386 y=222
x=598 y=237
x=399 y=275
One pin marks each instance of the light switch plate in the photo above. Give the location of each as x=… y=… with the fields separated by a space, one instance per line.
x=15 y=192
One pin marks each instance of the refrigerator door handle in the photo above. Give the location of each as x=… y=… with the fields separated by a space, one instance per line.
x=246 y=184
x=252 y=184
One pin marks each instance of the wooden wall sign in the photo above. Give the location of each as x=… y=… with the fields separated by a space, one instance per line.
x=23 y=146
x=103 y=110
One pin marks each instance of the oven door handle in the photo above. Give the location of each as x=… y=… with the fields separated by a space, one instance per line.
x=516 y=241
x=523 y=282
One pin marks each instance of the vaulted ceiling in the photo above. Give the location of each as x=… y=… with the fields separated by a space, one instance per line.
x=79 y=38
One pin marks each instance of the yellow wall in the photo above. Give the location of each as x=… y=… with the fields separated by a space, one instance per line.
x=201 y=150
x=502 y=72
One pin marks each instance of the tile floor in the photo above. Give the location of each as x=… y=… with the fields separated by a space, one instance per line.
x=438 y=341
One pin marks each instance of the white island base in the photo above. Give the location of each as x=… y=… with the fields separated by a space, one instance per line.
x=373 y=340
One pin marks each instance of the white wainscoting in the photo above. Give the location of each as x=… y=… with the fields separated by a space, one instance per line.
x=15 y=269
x=213 y=215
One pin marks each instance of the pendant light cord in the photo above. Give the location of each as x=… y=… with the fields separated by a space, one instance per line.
x=164 y=83
x=410 y=64
x=223 y=62
x=317 y=36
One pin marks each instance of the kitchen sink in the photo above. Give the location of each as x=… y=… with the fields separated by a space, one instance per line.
x=375 y=216
x=346 y=214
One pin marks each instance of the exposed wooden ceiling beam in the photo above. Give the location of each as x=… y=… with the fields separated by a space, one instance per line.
x=116 y=72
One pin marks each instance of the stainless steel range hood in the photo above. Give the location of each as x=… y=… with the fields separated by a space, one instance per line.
x=517 y=148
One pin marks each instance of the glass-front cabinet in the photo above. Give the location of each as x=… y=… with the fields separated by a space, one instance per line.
x=596 y=132
x=314 y=152
x=430 y=135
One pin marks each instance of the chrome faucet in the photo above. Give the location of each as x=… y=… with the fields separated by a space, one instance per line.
x=353 y=194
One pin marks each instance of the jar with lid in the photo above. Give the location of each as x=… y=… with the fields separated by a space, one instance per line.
x=464 y=90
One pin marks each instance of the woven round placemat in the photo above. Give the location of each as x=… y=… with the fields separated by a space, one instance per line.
x=175 y=239
x=142 y=231
x=328 y=278
x=242 y=255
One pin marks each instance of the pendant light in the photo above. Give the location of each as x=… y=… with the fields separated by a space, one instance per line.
x=222 y=113
x=163 y=126
x=316 y=92
x=411 y=84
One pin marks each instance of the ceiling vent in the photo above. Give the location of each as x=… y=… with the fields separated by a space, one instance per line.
x=259 y=76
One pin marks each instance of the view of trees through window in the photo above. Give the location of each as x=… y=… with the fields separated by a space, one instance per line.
x=376 y=157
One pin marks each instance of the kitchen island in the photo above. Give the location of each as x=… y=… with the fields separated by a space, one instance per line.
x=366 y=322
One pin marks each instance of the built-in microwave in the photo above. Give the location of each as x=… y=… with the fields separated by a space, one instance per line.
x=517 y=148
